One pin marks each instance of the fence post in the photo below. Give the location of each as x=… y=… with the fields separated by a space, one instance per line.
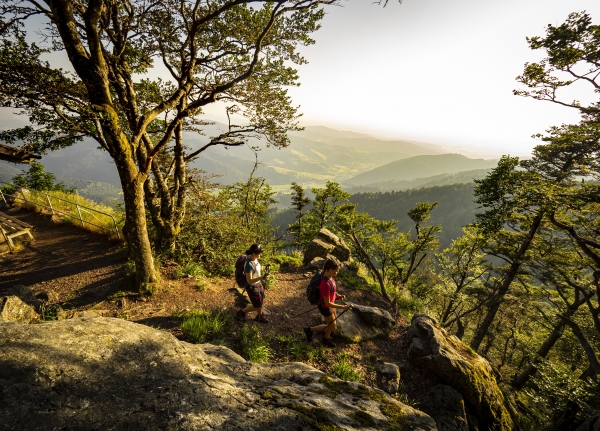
x=80 y=218
x=50 y=203
x=3 y=198
x=116 y=228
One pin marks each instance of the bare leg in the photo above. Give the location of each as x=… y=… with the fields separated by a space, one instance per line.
x=326 y=327
x=253 y=308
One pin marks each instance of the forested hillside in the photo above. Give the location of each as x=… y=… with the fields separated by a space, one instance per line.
x=455 y=209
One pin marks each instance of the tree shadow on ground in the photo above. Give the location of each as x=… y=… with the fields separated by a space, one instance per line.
x=115 y=380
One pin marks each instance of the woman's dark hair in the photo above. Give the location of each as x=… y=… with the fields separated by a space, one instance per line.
x=330 y=264
x=254 y=249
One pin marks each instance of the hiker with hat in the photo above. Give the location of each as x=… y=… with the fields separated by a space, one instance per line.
x=253 y=284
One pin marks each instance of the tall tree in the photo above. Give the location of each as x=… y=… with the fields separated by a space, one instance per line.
x=518 y=197
x=235 y=51
x=299 y=202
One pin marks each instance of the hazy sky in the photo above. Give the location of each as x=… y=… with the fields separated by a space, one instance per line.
x=435 y=70
x=438 y=71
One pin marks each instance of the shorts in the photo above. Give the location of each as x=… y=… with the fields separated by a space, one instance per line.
x=256 y=294
x=325 y=312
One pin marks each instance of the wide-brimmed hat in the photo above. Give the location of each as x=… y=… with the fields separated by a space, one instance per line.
x=254 y=249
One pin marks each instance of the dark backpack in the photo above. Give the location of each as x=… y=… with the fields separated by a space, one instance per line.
x=312 y=290
x=240 y=274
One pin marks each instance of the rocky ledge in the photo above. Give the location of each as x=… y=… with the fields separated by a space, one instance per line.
x=102 y=373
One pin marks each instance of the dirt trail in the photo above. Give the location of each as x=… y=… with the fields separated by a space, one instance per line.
x=79 y=266
x=84 y=272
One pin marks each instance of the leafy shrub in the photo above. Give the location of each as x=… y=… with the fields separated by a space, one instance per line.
x=408 y=305
x=344 y=369
x=558 y=390
x=288 y=261
x=36 y=178
x=206 y=326
x=254 y=345
x=221 y=224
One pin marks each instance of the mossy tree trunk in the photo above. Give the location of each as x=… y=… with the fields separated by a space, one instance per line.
x=91 y=67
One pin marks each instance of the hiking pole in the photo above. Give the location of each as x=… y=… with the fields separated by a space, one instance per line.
x=337 y=316
x=312 y=309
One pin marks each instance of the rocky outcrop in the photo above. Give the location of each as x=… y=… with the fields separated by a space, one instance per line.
x=326 y=245
x=102 y=373
x=13 y=309
x=363 y=323
x=459 y=367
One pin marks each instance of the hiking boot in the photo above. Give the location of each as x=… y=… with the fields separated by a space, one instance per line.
x=328 y=342
x=261 y=318
x=309 y=334
x=240 y=315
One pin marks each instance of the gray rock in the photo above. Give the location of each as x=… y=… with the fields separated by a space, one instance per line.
x=375 y=316
x=102 y=373
x=458 y=366
x=317 y=263
x=390 y=376
x=317 y=248
x=363 y=323
x=448 y=408
x=13 y=309
x=591 y=424
x=325 y=245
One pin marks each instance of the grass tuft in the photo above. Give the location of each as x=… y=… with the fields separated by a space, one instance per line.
x=295 y=348
x=344 y=369
x=190 y=269
x=206 y=326
x=254 y=345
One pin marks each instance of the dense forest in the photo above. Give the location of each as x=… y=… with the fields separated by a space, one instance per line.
x=456 y=208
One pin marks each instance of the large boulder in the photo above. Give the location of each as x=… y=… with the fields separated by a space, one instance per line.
x=458 y=366
x=326 y=245
x=362 y=323
x=447 y=408
x=13 y=309
x=102 y=373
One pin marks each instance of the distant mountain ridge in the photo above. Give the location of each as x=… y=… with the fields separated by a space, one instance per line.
x=464 y=177
x=415 y=167
x=317 y=154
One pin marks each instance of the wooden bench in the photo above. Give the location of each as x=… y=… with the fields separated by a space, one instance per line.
x=11 y=228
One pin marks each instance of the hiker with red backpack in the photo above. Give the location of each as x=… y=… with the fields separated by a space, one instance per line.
x=327 y=306
x=247 y=275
